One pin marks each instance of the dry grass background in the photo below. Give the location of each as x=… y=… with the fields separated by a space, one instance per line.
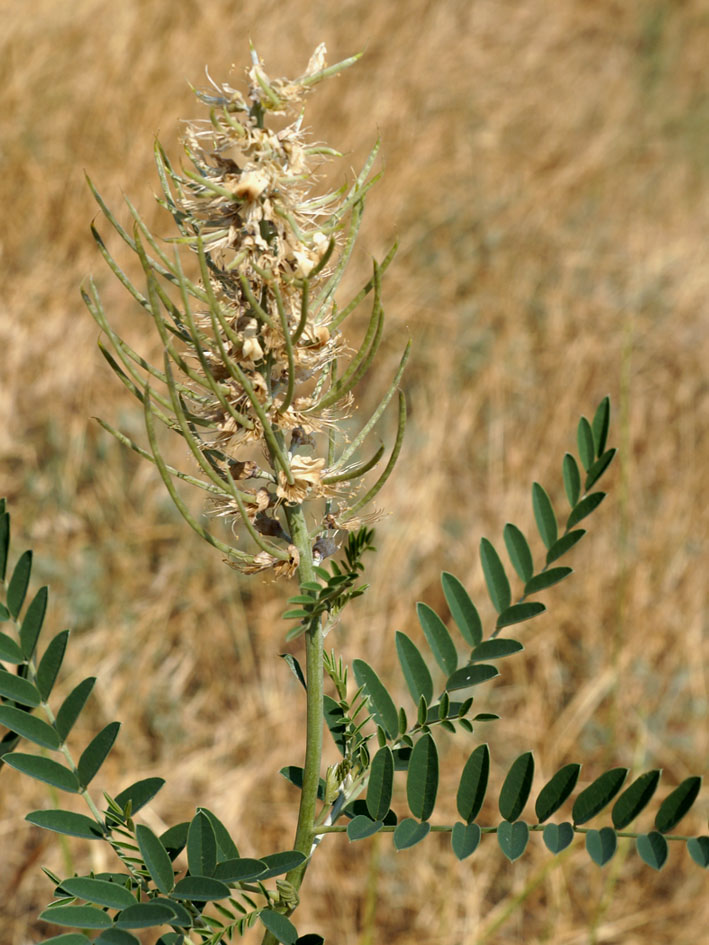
x=547 y=174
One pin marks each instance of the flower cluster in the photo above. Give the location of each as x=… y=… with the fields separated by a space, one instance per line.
x=252 y=376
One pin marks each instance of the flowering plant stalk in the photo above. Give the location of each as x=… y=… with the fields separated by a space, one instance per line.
x=259 y=382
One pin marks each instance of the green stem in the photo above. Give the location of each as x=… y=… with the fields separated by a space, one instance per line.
x=305 y=830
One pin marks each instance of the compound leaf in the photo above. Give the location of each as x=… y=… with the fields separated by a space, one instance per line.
x=516 y=786
x=422 y=778
x=497 y=584
x=598 y=794
x=438 y=638
x=463 y=610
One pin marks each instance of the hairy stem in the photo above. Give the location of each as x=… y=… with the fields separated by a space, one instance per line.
x=305 y=830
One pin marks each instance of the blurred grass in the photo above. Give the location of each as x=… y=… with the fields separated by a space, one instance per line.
x=547 y=175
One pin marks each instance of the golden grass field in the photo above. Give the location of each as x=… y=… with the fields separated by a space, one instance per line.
x=547 y=175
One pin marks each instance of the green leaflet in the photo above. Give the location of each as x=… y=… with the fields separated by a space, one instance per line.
x=636 y=797
x=116 y=936
x=471 y=676
x=156 y=859
x=438 y=638
x=557 y=837
x=413 y=665
x=144 y=915
x=69 y=938
x=138 y=794
x=66 y=822
x=226 y=848
x=518 y=613
x=34 y=618
x=598 y=468
x=82 y=917
x=572 y=479
x=544 y=515
x=495 y=649
x=9 y=650
x=556 y=791
x=698 y=848
x=463 y=610
x=584 y=508
x=239 y=870
x=676 y=805
x=586 y=446
x=513 y=838
x=517 y=786
x=361 y=827
x=29 y=727
x=99 y=892
x=473 y=783
x=545 y=579
x=50 y=664
x=601 y=845
x=4 y=539
x=279 y=926
x=381 y=783
x=652 y=848
x=200 y=889
x=383 y=708
x=422 y=778
x=597 y=795
x=44 y=769
x=96 y=752
x=17 y=588
x=601 y=425
x=465 y=839
x=564 y=544
x=283 y=862
x=70 y=709
x=519 y=552
x=201 y=846
x=409 y=832
x=497 y=584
